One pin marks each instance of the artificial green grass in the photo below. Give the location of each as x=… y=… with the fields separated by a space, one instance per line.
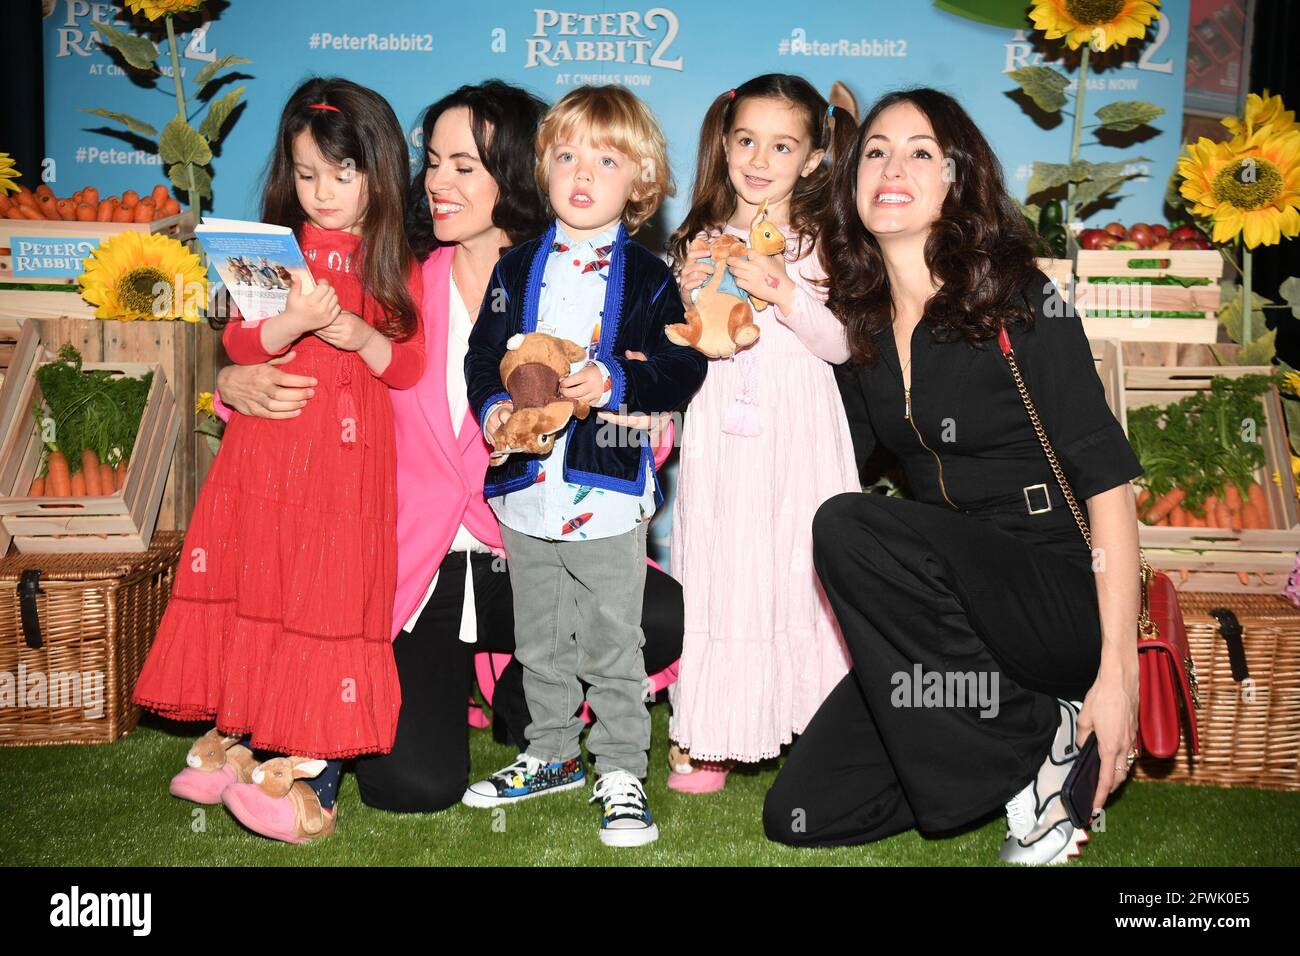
x=108 y=805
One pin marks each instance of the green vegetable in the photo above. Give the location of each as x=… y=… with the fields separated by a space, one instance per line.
x=1199 y=442
x=1054 y=236
x=1052 y=214
x=90 y=409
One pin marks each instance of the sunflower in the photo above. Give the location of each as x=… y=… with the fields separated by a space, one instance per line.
x=8 y=174
x=153 y=9
x=137 y=275
x=204 y=405
x=1101 y=23
x=1252 y=190
x=1261 y=111
x=1291 y=385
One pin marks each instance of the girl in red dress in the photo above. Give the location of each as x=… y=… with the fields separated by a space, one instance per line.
x=279 y=620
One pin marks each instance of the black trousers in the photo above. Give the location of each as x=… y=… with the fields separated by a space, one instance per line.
x=914 y=584
x=428 y=768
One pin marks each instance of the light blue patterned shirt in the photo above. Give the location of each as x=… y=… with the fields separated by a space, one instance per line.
x=570 y=307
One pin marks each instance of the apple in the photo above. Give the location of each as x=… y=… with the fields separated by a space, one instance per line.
x=1141 y=233
x=1127 y=245
x=1109 y=242
x=1184 y=244
x=1117 y=230
x=1160 y=230
x=1162 y=244
x=1183 y=233
x=1092 y=238
x=1203 y=243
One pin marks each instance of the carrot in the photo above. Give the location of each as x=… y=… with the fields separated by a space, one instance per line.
x=1251 y=517
x=90 y=468
x=49 y=208
x=105 y=212
x=1178 y=517
x=119 y=474
x=160 y=194
x=90 y=195
x=170 y=208
x=123 y=214
x=79 y=485
x=1166 y=503
x=44 y=190
x=130 y=198
x=1255 y=494
x=85 y=212
x=38 y=487
x=116 y=201
x=57 y=481
x=107 y=480
x=1212 y=511
x=67 y=210
x=1244 y=578
x=76 y=198
x=1196 y=521
x=143 y=211
x=20 y=212
x=1143 y=499
x=4 y=204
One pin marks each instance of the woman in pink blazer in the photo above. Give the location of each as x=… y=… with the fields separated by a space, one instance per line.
x=475 y=196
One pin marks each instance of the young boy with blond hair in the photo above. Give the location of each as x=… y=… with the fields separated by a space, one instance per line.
x=574 y=520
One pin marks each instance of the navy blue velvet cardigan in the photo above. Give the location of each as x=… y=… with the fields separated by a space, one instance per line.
x=640 y=300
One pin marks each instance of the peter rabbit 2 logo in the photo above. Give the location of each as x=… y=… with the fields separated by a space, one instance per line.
x=630 y=37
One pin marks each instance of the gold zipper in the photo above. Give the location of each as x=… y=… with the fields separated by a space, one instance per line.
x=907 y=413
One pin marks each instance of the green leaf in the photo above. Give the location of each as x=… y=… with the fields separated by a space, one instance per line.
x=215 y=67
x=1045 y=86
x=1048 y=176
x=1084 y=170
x=1128 y=116
x=182 y=143
x=1093 y=189
x=130 y=122
x=1230 y=310
x=189 y=177
x=218 y=113
x=140 y=52
x=1290 y=292
x=1260 y=351
x=1030 y=211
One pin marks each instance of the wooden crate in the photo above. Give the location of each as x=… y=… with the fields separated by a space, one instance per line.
x=1108 y=357
x=59 y=297
x=1209 y=559
x=122 y=521
x=19 y=348
x=1061 y=272
x=1091 y=297
x=190 y=354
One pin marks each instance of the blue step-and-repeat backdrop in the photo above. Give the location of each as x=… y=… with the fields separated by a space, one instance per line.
x=677 y=57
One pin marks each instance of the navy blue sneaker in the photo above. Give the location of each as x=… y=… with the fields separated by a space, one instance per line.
x=625 y=818
x=526 y=777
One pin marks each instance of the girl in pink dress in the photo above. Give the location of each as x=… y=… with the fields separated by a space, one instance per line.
x=765 y=442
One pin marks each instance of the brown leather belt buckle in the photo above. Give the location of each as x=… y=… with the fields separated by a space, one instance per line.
x=1047 y=500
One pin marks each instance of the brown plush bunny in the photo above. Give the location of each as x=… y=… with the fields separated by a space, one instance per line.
x=283 y=777
x=214 y=750
x=532 y=369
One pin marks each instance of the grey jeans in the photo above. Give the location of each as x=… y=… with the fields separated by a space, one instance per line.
x=593 y=589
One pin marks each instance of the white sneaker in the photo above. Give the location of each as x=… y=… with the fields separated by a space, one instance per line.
x=1038 y=827
x=625 y=818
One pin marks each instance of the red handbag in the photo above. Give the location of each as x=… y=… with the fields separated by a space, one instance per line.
x=1167 y=687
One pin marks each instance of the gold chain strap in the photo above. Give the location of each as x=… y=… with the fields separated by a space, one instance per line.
x=1146 y=627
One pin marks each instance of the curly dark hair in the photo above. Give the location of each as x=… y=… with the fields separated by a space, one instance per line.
x=981 y=251
x=504 y=121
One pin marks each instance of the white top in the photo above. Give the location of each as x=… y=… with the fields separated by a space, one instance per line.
x=458 y=328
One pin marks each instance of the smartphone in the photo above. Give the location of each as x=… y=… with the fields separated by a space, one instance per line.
x=1081 y=784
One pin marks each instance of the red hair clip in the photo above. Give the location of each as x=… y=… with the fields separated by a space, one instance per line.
x=731 y=94
x=323 y=106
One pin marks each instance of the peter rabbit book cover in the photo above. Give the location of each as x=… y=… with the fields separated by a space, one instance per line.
x=254 y=261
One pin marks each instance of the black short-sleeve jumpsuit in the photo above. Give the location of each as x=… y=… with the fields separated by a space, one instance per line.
x=985 y=572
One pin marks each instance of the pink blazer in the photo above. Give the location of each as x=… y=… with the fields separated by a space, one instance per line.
x=439 y=474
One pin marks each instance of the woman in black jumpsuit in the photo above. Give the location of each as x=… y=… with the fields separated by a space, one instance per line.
x=985 y=572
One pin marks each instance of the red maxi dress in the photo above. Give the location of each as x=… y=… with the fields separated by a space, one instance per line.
x=279 y=619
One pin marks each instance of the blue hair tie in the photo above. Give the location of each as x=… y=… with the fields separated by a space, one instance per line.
x=830 y=110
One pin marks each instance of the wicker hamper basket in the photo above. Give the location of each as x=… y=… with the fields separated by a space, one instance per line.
x=98 y=614
x=1250 y=732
